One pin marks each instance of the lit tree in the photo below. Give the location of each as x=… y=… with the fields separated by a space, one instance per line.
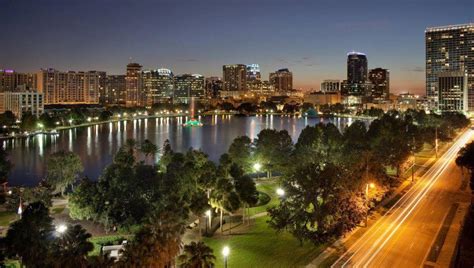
x=62 y=170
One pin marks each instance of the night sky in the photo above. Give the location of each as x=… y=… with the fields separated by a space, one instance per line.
x=309 y=37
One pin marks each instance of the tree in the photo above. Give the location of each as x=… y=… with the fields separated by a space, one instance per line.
x=30 y=237
x=197 y=255
x=244 y=187
x=7 y=119
x=71 y=248
x=156 y=244
x=28 y=122
x=273 y=148
x=148 y=149
x=47 y=121
x=105 y=115
x=320 y=203
x=224 y=198
x=466 y=159
x=62 y=170
x=85 y=201
x=240 y=151
x=5 y=168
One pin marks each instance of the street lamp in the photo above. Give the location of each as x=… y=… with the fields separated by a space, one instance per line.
x=208 y=214
x=367 y=186
x=61 y=229
x=225 y=252
x=280 y=192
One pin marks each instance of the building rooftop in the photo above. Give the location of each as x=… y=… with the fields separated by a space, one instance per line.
x=449 y=27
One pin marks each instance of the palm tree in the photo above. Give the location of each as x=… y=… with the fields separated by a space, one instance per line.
x=197 y=255
x=148 y=149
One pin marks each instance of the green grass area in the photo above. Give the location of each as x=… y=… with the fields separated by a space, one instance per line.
x=261 y=246
x=58 y=210
x=100 y=241
x=6 y=217
x=12 y=263
x=268 y=188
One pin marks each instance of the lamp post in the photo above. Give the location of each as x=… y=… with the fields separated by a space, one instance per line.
x=225 y=252
x=257 y=166
x=367 y=186
x=61 y=229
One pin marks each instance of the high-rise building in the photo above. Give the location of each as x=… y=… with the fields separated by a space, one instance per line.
x=20 y=102
x=214 y=85
x=235 y=77
x=189 y=86
x=253 y=72
x=357 y=67
x=452 y=91
x=328 y=86
x=11 y=80
x=380 y=80
x=70 y=87
x=449 y=48
x=135 y=95
x=115 y=90
x=282 y=80
x=158 y=85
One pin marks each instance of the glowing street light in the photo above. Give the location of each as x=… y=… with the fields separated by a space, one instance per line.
x=61 y=229
x=225 y=253
x=367 y=187
x=257 y=166
x=209 y=216
x=280 y=192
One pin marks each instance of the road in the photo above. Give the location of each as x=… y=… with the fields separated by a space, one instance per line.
x=405 y=235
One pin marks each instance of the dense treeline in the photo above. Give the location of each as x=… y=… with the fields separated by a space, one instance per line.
x=324 y=176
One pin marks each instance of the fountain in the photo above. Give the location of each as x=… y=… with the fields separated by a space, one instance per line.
x=193 y=122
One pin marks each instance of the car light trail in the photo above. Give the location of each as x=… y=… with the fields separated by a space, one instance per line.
x=409 y=201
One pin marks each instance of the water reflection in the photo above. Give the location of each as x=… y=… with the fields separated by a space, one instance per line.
x=97 y=144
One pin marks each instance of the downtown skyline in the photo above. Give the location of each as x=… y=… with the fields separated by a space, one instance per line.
x=189 y=38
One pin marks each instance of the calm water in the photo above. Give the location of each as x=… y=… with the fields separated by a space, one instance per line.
x=97 y=144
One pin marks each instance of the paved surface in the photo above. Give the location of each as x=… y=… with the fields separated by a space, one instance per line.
x=410 y=230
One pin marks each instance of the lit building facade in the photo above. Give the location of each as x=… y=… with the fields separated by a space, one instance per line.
x=282 y=80
x=11 y=80
x=189 y=86
x=449 y=48
x=380 y=84
x=135 y=96
x=214 y=86
x=115 y=91
x=357 y=70
x=235 y=77
x=330 y=85
x=21 y=102
x=452 y=91
x=70 y=87
x=158 y=85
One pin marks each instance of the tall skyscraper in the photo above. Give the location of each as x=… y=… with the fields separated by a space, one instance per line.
x=133 y=85
x=449 y=48
x=452 y=91
x=380 y=80
x=235 y=77
x=357 y=67
x=214 y=85
x=70 y=87
x=282 y=80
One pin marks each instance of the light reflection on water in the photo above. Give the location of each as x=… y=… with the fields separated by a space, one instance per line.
x=97 y=144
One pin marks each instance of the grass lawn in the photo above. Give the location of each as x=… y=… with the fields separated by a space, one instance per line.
x=6 y=217
x=262 y=247
x=267 y=187
x=58 y=210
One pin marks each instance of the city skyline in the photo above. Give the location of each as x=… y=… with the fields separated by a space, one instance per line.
x=313 y=45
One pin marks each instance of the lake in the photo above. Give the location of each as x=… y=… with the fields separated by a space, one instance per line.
x=97 y=144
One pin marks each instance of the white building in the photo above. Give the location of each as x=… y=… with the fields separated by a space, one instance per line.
x=331 y=86
x=21 y=102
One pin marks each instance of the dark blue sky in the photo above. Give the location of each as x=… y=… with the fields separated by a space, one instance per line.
x=309 y=37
